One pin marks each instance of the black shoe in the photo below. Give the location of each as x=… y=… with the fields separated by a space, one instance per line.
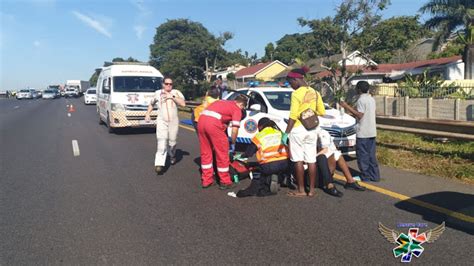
x=333 y=192
x=354 y=186
x=158 y=169
x=173 y=161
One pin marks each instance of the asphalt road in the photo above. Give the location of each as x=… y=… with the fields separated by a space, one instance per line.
x=107 y=206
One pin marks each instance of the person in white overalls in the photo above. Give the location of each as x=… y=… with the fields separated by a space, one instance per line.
x=167 y=101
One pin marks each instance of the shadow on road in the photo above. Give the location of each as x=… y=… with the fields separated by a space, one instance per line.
x=455 y=201
x=134 y=131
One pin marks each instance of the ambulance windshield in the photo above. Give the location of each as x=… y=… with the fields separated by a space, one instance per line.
x=137 y=84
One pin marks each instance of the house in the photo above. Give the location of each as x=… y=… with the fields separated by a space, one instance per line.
x=448 y=68
x=224 y=72
x=316 y=66
x=262 y=71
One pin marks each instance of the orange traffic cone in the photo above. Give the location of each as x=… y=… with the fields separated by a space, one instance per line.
x=71 y=108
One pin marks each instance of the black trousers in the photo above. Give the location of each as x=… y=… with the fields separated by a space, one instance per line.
x=260 y=185
x=324 y=175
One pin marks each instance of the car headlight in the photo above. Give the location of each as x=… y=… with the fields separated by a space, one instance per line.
x=117 y=107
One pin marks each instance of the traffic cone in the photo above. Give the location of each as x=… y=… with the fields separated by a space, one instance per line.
x=71 y=108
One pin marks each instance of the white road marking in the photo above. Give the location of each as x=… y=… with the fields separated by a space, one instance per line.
x=75 y=148
x=69 y=114
x=16 y=107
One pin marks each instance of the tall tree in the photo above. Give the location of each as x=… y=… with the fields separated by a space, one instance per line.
x=338 y=34
x=383 y=40
x=181 y=49
x=292 y=46
x=269 y=51
x=448 y=16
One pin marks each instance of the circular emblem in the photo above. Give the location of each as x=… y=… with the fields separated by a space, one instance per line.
x=250 y=126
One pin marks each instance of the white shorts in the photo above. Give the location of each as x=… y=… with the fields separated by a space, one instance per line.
x=336 y=154
x=303 y=145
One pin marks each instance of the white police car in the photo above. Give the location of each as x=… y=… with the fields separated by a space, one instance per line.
x=274 y=103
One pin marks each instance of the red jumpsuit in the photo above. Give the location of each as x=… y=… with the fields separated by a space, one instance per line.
x=212 y=134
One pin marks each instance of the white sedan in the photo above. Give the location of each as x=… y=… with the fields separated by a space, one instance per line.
x=90 y=97
x=274 y=103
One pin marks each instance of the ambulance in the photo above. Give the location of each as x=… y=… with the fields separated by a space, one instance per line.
x=274 y=103
x=124 y=91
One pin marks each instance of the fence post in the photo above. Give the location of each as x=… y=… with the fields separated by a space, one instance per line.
x=385 y=103
x=405 y=106
x=430 y=108
x=457 y=103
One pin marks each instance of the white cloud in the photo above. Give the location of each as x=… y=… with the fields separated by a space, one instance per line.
x=97 y=25
x=140 y=5
x=139 y=29
x=36 y=43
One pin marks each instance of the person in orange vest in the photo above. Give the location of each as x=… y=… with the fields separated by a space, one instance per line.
x=212 y=95
x=211 y=125
x=272 y=157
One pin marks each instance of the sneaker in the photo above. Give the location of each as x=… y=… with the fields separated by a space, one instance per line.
x=274 y=184
x=354 y=186
x=207 y=186
x=356 y=178
x=333 y=192
x=158 y=169
x=173 y=160
x=226 y=186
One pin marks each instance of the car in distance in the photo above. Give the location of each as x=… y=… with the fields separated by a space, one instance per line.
x=49 y=94
x=24 y=94
x=90 y=97
x=71 y=92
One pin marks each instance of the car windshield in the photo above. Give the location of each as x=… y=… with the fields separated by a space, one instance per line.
x=91 y=92
x=137 y=84
x=25 y=91
x=48 y=91
x=279 y=100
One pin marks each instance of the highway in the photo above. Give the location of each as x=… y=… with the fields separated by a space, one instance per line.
x=102 y=203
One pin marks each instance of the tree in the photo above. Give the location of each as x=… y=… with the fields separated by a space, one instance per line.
x=447 y=17
x=95 y=75
x=292 y=46
x=269 y=51
x=181 y=49
x=389 y=36
x=339 y=34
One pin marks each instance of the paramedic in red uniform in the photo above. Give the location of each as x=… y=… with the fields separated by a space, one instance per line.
x=212 y=136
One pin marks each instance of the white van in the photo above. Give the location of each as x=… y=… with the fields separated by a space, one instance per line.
x=124 y=91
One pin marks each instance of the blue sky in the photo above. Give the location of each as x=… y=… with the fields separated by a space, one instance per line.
x=49 y=41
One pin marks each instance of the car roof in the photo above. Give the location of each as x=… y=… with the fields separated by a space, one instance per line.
x=264 y=89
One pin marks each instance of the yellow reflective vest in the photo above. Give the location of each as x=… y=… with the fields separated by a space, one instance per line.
x=268 y=142
x=198 y=110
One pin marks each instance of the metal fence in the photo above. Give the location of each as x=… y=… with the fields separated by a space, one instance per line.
x=447 y=91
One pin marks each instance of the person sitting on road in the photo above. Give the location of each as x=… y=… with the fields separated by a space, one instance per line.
x=272 y=157
x=211 y=96
x=334 y=156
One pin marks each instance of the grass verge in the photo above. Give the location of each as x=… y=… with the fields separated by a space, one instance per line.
x=453 y=159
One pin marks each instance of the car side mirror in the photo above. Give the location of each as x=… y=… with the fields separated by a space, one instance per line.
x=256 y=107
x=106 y=89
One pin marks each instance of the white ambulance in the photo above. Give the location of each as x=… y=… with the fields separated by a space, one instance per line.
x=124 y=91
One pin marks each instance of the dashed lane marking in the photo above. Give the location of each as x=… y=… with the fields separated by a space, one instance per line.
x=16 y=107
x=75 y=148
x=454 y=214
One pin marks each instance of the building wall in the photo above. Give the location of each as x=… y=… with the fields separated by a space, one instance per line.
x=454 y=71
x=270 y=72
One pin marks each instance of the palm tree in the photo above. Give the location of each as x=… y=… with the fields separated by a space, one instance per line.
x=447 y=17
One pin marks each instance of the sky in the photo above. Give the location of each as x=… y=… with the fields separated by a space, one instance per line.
x=46 y=42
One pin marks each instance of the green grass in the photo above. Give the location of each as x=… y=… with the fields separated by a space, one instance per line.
x=453 y=159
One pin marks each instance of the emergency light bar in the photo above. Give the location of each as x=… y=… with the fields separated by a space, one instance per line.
x=254 y=84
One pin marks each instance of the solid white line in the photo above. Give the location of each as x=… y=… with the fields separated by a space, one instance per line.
x=75 y=148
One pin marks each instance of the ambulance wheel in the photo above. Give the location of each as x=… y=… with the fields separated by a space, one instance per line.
x=109 y=128
x=274 y=186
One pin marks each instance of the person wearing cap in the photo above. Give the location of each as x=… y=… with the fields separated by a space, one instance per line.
x=272 y=157
x=302 y=142
x=167 y=101
x=211 y=125
x=366 y=132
